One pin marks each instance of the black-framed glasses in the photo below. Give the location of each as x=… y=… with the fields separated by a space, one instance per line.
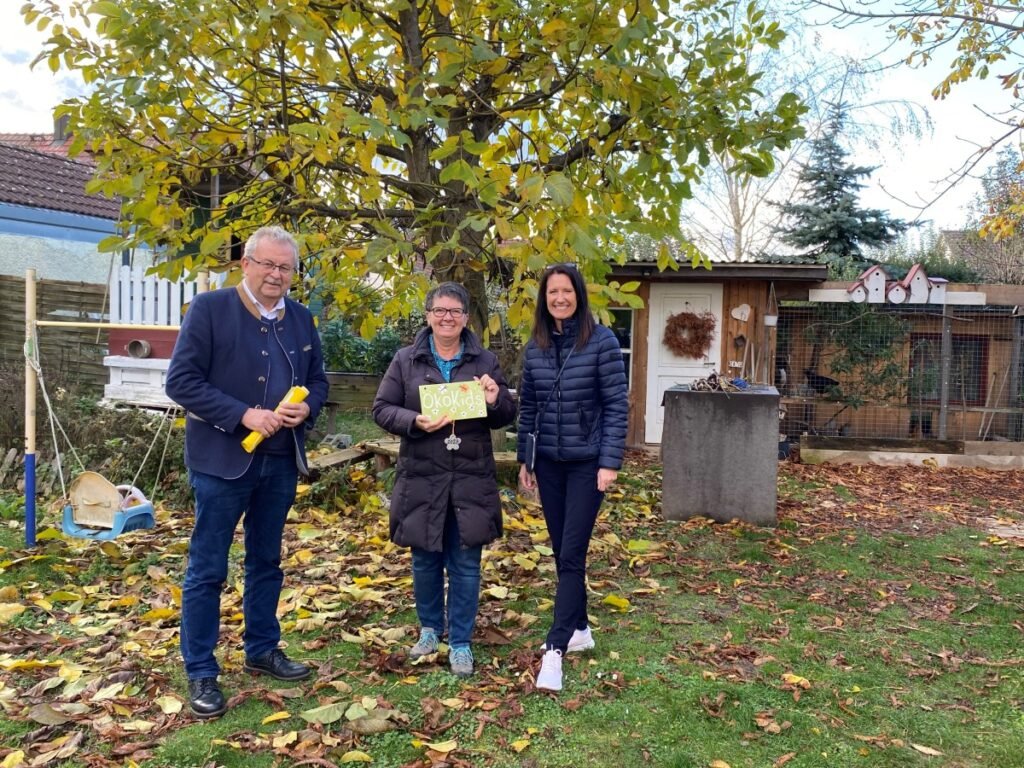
x=269 y=266
x=457 y=313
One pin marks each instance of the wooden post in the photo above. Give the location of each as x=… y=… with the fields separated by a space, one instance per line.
x=30 y=408
x=946 y=357
x=1015 y=421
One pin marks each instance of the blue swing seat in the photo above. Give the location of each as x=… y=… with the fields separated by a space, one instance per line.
x=101 y=511
x=133 y=518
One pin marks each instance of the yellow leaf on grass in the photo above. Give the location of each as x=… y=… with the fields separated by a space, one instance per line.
x=63 y=596
x=282 y=715
x=355 y=756
x=139 y=726
x=109 y=692
x=796 y=680
x=499 y=592
x=302 y=488
x=9 y=610
x=619 y=603
x=926 y=750
x=13 y=759
x=285 y=740
x=639 y=546
x=718 y=764
x=169 y=705
x=444 y=747
x=329 y=713
x=524 y=562
x=158 y=614
x=520 y=744
x=454 y=703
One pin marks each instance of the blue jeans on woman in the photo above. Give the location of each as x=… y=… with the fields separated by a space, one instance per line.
x=569 y=495
x=263 y=495
x=463 y=567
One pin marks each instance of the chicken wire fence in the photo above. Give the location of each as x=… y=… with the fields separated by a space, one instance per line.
x=901 y=371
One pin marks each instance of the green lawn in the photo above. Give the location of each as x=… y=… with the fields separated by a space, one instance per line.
x=879 y=624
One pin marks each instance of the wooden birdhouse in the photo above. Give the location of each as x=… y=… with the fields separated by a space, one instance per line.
x=858 y=293
x=917 y=285
x=874 y=280
x=937 y=290
x=895 y=293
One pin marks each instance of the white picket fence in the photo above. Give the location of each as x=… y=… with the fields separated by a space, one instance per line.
x=147 y=300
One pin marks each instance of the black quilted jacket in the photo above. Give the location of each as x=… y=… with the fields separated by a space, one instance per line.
x=428 y=475
x=586 y=417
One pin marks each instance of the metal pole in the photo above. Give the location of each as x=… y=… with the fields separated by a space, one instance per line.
x=30 y=409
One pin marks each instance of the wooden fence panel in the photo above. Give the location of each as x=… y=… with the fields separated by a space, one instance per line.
x=67 y=354
x=12 y=473
x=352 y=391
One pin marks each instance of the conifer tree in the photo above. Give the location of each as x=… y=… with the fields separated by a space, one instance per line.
x=826 y=221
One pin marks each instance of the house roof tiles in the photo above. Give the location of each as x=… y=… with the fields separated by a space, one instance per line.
x=43 y=180
x=40 y=142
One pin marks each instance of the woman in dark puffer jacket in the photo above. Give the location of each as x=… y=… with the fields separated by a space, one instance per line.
x=445 y=503
x=580 y=420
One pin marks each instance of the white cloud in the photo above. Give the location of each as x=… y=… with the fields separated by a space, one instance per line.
x=27 y=95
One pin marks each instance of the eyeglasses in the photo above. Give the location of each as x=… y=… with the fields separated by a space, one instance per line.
x=566 y=265
x=270 y=266
x=440 y=312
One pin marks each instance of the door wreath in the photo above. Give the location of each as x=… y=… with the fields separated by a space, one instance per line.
x=688 y=334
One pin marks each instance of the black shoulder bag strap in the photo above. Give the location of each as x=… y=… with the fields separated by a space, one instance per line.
x=554 y=388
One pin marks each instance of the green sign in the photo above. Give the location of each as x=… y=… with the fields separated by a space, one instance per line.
x=457 y=400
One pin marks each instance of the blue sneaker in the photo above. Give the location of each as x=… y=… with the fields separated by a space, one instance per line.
x=461 y=661
x=426 y=645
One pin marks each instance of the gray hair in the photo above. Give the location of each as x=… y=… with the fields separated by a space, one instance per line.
x=452 y=291
x=275 y=234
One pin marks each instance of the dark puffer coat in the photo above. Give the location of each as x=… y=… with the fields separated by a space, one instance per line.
x=586 y=417
x=428 y=474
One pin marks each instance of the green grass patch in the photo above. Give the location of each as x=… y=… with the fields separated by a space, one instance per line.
x=831 y=639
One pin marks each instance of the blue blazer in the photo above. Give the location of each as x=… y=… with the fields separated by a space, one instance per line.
x=220 y=367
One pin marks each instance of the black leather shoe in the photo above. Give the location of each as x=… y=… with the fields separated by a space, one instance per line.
x=205 y=698
x=276 y=664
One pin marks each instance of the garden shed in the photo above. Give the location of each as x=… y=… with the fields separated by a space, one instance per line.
x=740 y=297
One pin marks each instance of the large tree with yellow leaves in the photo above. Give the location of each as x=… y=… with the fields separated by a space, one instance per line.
x=484 y=137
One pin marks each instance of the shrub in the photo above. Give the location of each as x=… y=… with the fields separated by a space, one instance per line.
x=345 y=350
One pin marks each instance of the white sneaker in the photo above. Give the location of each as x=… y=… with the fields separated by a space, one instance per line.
x=581 y=640
x=550 y=676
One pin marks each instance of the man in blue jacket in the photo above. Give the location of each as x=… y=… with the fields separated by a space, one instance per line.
x=239 y=351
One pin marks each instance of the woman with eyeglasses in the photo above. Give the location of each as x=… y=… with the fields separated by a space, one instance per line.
x=573 y=403
x=445 y=503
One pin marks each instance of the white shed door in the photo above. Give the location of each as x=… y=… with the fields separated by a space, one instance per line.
x=664 y=368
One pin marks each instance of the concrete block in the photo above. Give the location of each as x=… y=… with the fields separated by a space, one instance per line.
x=720 y=455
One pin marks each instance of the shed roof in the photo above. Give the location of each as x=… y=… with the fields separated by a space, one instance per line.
x=44 y=180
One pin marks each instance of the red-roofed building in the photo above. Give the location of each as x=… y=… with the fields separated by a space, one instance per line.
x=47 y=221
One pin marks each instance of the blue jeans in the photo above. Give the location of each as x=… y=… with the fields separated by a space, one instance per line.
x=463 y=566
x=569 y=495
x=263 y=495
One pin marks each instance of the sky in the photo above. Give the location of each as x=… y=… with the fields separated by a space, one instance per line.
x=910 y=173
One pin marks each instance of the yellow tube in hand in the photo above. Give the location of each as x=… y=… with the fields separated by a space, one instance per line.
x=294 y=395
